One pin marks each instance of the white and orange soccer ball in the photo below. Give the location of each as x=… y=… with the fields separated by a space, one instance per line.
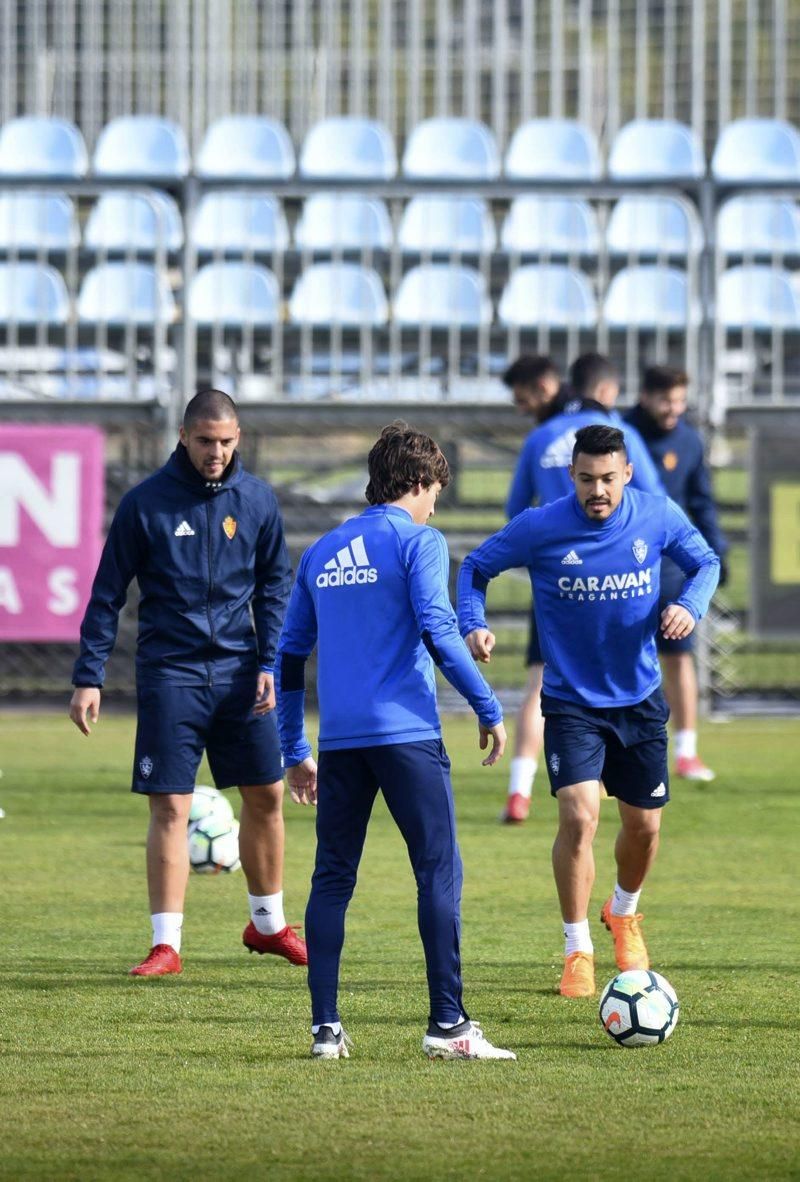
x=639 y=1008
x=214 y=845
x=209 y=802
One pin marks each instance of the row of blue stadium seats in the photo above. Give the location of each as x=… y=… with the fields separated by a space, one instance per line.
x=748 y=150
x=236 y=222
x=439 y=295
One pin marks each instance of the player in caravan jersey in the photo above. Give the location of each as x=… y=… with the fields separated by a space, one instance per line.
x=594 y=559
x=371 y=596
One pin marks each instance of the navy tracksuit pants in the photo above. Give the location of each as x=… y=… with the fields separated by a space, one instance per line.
x=415 y=781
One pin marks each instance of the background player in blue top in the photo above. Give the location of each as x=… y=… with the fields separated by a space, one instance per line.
x=542 y=475
x=372 y=597
x=204 y=540
x=677 y=450
x=594 y=560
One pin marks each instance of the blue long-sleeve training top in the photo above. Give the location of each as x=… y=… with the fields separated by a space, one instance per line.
x=596 y=586
x=372 y=597
x=204 y=553
x=542 y=472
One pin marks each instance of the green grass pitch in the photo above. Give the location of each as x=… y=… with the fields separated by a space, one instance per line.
x=207 y=1076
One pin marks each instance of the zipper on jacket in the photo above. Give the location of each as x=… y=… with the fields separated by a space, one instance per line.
x=210 y=588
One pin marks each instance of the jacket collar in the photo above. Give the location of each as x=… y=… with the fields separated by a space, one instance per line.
x=181 y=468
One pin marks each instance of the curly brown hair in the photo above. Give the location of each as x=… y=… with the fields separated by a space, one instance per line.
x=401 y=458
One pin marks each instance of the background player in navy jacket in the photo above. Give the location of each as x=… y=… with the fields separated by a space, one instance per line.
x=677 y=450
x=541 y=476
x=371 y=596
x=594 y=560
x=204 y=540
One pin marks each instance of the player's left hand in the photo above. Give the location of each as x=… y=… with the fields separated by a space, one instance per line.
x=302 y=781
x=676 y=622
x=498 y=736
x=265 y=694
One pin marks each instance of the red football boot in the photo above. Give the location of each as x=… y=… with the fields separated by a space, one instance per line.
x=516 y=809
x=160 y=961
x=283 y=943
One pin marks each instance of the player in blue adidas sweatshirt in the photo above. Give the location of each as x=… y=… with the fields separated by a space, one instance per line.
x=372 y=597
x=542 y=476
x=204 y=540
x=594 y=559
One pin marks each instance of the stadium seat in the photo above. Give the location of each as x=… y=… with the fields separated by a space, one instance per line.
x=339 y=293
x=650 y=226
x=125 y=293
x=37 y=221
x=654 y=149
x=439 y=224
x=550 y=226
x=141 y=146
x=551 y=295
x=343 y=221
x=246 y=146
x=443 y=296
x=132 y=221
x=32 y=294
x=757 y=150
x=42 y=145
x=349 y=147
x=554 y=149
x=759 y=226
x=238 y=223
x=759 y=297
x=452 y=149
x=234 y=294
x=650 y=297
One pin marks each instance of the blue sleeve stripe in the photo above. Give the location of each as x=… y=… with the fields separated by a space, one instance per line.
x=427 y=640
x=479 y=581
x=293 y=672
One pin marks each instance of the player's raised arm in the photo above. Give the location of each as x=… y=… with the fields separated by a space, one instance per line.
x=686 y=546
x=510 y=547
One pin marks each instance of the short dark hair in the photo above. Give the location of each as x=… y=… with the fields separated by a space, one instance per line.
x=528 y=370
x=598 y=440
x=660 y=379
x=588 y=371
x=215 y=405
x=401 y=458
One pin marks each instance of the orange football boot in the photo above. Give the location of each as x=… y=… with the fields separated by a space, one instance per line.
x=630 y=950
x=578 y=977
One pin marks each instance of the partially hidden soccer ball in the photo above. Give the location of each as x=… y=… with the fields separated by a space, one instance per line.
x=214 y=845
x=209 y=802
x=639 y=1008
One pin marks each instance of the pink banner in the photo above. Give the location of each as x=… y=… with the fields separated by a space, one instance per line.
x=51 y=518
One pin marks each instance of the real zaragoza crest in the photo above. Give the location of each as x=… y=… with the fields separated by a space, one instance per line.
x=639 y=548
x=229 y=525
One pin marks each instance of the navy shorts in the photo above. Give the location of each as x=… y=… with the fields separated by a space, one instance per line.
x=624 y=746
x=176 y=723
x=534 y=654
x=672 y=580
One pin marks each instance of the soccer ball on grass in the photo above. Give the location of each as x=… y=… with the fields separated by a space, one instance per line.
x=209 y=802
x=639 y=1008
x=214 y=845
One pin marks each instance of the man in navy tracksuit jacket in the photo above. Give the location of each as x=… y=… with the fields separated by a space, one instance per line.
x=542 y=476
x=371 y=596
x=204 y=539
x=594 y=560
x=678 y=453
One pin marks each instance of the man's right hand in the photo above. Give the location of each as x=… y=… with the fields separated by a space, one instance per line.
x=85 y=702
x=302 y=781
x=480 y=643
x=498 y=736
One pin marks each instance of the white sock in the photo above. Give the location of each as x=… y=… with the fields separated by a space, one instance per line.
x=520 y=779
x=624 y=902
x=336 y=1027
x=450 y=1025
x=577 y=938
x=686 y=744
x=167 y=928
x=266 y=912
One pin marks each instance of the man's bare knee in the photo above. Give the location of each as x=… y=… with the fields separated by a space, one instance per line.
x=171 y=810
x=263 y=800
